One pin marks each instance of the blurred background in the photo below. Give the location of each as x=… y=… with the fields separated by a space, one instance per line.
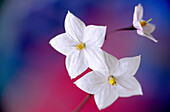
x=33 y=76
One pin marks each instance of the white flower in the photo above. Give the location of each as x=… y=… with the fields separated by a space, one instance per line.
x=143 y=27
x=119 y=81
x=82 y=46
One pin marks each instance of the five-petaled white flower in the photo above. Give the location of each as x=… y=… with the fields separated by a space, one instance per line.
x=143 y=27
x=118 y=81
x=82 y=46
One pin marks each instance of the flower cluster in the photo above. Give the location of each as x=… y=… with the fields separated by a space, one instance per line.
x=110 y=78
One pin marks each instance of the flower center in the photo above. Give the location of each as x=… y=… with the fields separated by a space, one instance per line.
x=80 y=46
x=144 y=23
x=112 y=80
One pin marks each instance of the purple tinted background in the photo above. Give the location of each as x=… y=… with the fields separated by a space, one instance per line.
x=33 y=77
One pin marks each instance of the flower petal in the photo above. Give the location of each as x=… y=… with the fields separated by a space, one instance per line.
x=76 y=63
x=139 y=12
x=128 y=86
x=94 y=35
x=74 y=27
x=112 y=62
x=140 y=32
x=91 y=82
x=128 y=66
x=96 y=60
x=135 y=20
x=148 y=35
x=106 y=96
x=138 y=26
x=149 y=28
x=63 y=43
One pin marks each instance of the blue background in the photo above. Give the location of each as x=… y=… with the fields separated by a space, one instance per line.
x=33 y=77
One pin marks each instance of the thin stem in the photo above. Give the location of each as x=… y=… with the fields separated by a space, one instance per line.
x=122 y=29
x=81 y=105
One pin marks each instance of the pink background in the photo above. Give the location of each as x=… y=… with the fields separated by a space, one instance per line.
x=34 y=77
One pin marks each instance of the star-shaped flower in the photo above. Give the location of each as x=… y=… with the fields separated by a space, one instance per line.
x=82 y=46
x=119 y=81
x=143 y=27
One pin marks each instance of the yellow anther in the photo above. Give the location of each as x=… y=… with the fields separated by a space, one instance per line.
x=144 y=23
x=80 y=46
x=112 y=80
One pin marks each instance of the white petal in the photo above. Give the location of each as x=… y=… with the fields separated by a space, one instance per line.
x=63 y=43
x=128 y=86
x=112 y=62
x=128 y=66
x=139 y=12
x=76 y=63
x=106 y=96
x=149 y=28
x=135 y=20
x=96 y=60
x=138 y=26
x=94 y=35
x=92 y=82
x=140 y=32
x=138 y=15
x=74 y=27
x=148 y=35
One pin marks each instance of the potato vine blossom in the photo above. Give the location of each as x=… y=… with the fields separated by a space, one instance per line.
x=118 y=81
x=82 y=46
x=143 y=27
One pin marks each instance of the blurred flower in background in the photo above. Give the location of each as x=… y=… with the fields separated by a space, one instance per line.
x=33 y=77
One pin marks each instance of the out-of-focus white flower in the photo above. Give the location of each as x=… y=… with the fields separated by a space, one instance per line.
x=143 y=27
x=118 y=81
x=82 y=46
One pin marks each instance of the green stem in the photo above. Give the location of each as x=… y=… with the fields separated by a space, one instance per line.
x=81 y=105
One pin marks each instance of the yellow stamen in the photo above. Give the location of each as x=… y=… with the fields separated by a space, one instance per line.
x=144 y=23
x=80 y=46
x=149 y=20
x=112 y=80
